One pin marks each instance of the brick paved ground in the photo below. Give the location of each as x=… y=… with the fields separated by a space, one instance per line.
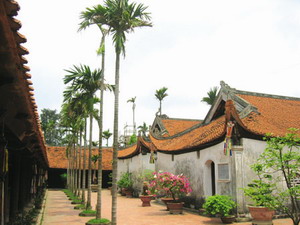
x=59 y=211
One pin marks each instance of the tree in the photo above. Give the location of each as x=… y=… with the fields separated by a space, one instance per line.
x=72 y=121
x=280 y=163
x=132 y=140
x=87 y=20
x=160 y=94
x=87 y=82
x=106 y=135
x=211 y=96
x=121 y=18
x=143 y=129
x=132 y=100
x=50 y=126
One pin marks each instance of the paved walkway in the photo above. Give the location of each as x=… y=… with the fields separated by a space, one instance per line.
x=59 y=211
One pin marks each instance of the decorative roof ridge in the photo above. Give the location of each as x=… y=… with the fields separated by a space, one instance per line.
x=183 y=119
x=267 y=95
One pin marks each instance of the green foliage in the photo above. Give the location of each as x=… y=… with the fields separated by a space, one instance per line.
x=106 y=135
x=25 y=219
x=219 y=204
x=99 y=221
x=80 y=206
x=88 y=211
x=132 y=140
x=211 y=96
x=51 y=128
x=94 y=158
x=143 y=129
x=148 y=175
x=125 y=180
x=276 y=167
x=63 y=177
x=77 y=201
x=160 y=94
x=261 y=190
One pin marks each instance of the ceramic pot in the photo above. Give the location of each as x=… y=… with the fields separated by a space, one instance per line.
x=259 y=213
x=166 y=200
x=175 y=207
x=228 y=219
x=146 y=199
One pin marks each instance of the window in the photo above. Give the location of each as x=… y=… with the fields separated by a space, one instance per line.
x=223 y=172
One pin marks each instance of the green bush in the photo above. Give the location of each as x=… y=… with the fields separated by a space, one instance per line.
x=99 y=221
x=219 y=204
x=125 y=180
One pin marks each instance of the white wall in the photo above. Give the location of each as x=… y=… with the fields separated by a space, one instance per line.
x=197 y=167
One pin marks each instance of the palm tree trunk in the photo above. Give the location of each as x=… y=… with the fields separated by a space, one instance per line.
x=115 y=143
x=88 y=204
x=84 y=161
x=75 y=168
x=160 y=107
x=134 y=126
x=79 y=162
x=99 y=199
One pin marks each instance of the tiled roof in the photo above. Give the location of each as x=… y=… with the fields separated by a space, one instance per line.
x=194 y=137
x=58 y=157
x=276 y=114
x=256 y=113
x=15 y=77
x=128 y=151
x=175 y=126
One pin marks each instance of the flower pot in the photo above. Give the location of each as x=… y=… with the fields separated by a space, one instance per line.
x=146 y=199
x=259 y=213
x=128 y=192
x=166 y=200
x=175 y=207
x=123 y=192
x=228 y=219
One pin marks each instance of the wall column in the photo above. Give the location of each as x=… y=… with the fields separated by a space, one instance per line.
x=237 y=175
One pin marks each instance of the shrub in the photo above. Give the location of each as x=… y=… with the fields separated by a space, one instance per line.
x=219 y=204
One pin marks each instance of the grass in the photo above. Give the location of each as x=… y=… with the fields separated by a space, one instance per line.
x=99 y=221
x=89 y=211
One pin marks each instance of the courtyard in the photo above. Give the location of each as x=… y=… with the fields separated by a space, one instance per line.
x=59 y=210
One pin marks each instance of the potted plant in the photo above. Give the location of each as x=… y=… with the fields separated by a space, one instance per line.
x=261 y=192
x=145 y=197
x=221 y=205
x=126 y=184
x=172 y=186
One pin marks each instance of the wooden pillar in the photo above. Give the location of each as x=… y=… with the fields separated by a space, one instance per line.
x=3 y=176
x=15 y=189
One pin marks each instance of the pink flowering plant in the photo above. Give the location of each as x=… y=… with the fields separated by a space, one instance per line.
x=169 y=184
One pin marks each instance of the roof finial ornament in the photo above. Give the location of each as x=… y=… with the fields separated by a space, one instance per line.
x=226 y=87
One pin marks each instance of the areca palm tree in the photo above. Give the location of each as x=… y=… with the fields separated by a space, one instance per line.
x=72 y=121
x=78 y=102
x=211 y=96
x=121 y=17
x=88 y=20
x=143 y=129
x=160 y=94
x=106 y=135
x=87 y=82
x=132 y=100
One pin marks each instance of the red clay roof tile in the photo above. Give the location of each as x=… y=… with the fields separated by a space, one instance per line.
x=57 y=157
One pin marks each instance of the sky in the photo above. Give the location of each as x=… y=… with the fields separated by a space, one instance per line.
x=252 y=45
